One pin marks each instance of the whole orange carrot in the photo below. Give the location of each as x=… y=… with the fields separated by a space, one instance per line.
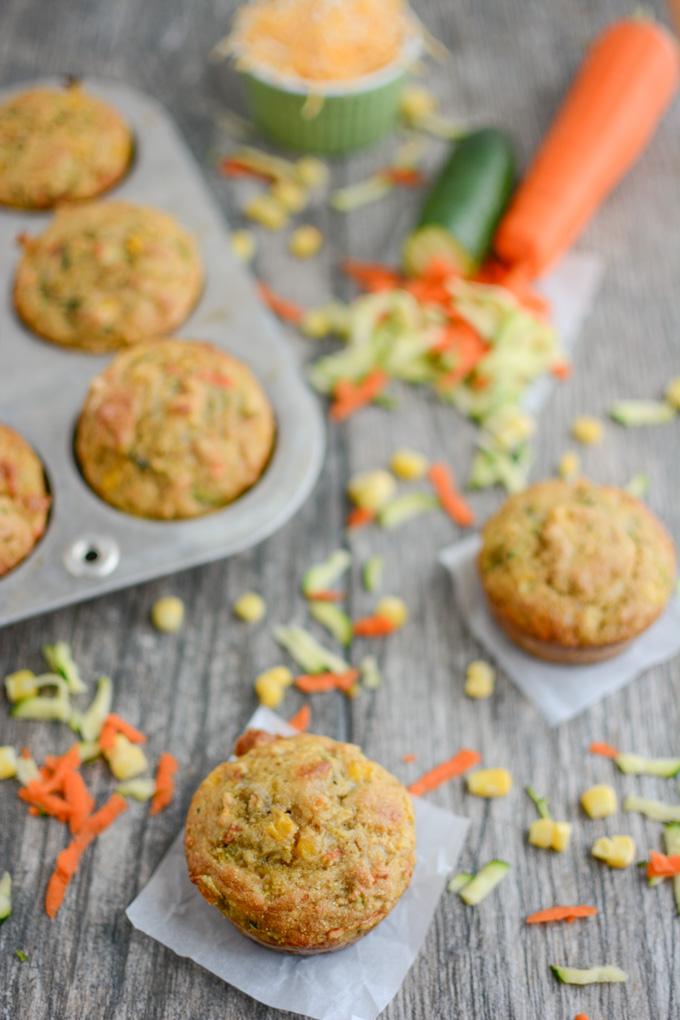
x=627 y=80
x=456 y=766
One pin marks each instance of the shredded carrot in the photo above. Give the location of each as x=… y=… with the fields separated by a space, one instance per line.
x=662 y=866
x=561 y=370
x=452 y=502
x=48 y=803
x=286 y=310
x=350 y=397
x=581 y=1016
x=25 y=753
x=68 y=859
x=408 y=758
x=79 y=799
x=371 y=276
x=404 y=176
x=325 y=595
x=373 y=626
x=114 y=724
x=320 y=683
x=58 y=767
x=360 y=516
x=456 y=766
x=165 y=783
x=231 y=167
x=605 y=750
x=561 y=914
x=301 y=720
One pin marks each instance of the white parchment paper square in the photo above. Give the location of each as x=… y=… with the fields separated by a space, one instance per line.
x=559 y=692
x=352 y=984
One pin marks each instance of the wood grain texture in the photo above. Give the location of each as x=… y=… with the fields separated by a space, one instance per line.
x=510 y=62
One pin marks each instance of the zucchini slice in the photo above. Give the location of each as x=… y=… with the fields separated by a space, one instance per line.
x=459 y=881
x=323 y=575
x=334 y=619
x=403 y=508
x=5 y=897
x=641 y=412
x=465 y=204
x=588 y=976
x=486 y=879
x=636 y=765
x=308 y=652
x=91 y=722
x=372 y=573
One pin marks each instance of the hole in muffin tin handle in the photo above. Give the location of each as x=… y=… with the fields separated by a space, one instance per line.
x=92 y=556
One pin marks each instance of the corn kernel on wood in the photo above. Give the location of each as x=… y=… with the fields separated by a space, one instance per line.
x=167 y=614
x=489 y=783
x=599 y=801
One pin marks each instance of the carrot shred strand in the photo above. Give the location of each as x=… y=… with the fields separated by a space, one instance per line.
x=165 y=783
x=561 y=914
x=373 y=626
x=320 y=683
x=603 y=749
x=301 y=720
x=286 y=310
x=452 y=502
x=662 y=865
x=462 y=761
x=359 y=517
x=350 y=397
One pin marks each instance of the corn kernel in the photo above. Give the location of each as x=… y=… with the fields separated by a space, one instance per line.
x=8 y=762
x=243 y=245
x=250 y=607
x=541 y=833
x=21 y=685
x=615 y=851
x=307 y=848
x=416 y=102
x=673 y=393
x=561 y=836
x=270 y=686
x=266 y=211
x=393 y=609
x=599 y=801
x=371 y=489
x=282 y=827
x=311 y=171
x=305 y=242
x=489 y=783
x=316 y=324
x=359 y=770
x=480 y=678
x=126 y=760
x=167 y=614
x=290 y=195
x=408 y=464
x=587 y=430
x=570 y=465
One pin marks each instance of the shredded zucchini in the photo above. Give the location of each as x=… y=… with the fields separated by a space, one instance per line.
x=656 y=810
x=589 y=976
x=60 y=660
x=308 y=652
x=335 y=620
x=324 y=575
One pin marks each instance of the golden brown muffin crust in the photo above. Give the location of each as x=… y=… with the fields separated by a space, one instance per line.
x=577 y=564
x=60 y=145
x=107 y=274
x=24 y=501
x=174 y=429
x=302 y=842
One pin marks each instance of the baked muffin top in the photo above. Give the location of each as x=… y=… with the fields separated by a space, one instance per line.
x=107 y=274
x=24 y=501
x=174 y=428
x=59 y=145
x=576 y=563
x=302 y=842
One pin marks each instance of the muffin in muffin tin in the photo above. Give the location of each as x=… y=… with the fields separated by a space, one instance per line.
x=60 y=145
x=174 y=429
x=105 y=275
x=24 y=499
x=302 y=842
x=573 y=571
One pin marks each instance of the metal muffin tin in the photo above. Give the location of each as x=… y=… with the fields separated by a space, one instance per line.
x=89 y=547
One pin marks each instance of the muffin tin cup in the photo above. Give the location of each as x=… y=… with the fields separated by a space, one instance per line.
x=89 y=547
x=350 y=117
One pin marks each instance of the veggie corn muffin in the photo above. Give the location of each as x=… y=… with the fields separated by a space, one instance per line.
x=302 y=842
x=174 y=428
x=573 y=570
x=59 y=145
x=24 y=501
x=107 y=274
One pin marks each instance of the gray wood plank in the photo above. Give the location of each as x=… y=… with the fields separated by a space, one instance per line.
x=510 y=63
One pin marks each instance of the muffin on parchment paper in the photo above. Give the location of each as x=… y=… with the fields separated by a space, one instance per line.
x=174 y=429
x=105 y=275
x=573 y=571
x=302 y=842
x=60 y=145
x=24 y=500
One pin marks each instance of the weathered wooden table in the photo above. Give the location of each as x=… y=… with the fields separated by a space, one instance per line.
x=192 y=693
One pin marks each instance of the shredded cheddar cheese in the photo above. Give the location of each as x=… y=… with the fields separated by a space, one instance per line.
x=322 y=40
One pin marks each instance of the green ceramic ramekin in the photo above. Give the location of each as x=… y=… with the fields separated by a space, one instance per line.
x=350 y=116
